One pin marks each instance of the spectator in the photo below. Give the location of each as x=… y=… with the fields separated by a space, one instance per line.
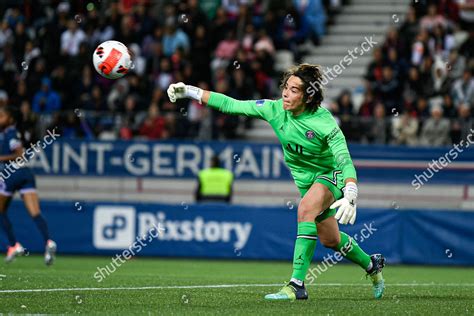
x=455 y=65
x=6 y=34
x=345 y=108
x=153 y=127
x=21 y=94
x=467 y=47
x=449 y=110
x=426 y=76
x=20 y=38
x=313 y=12
x=399 y=66
x=388 y=90
x=392 y=41
x=3 y=98
x=379 y=132
x=463 y=125
x=201 y=54
x=367 y=107
x=466 y=9
x=173 y=39
x=164 y=78
x=225 y=51
x=408 y=32
x=46 y=100
x=413 y=86
x=231 y=8
x=450 y=9
x=139 y=62
x=130 y=118
x=71 y=39
x=422 y=110
x=374 y=71
x=27 y=124
x=13 y=16
x=67 y=125
x=441 y=42
x=264 y=42
x=435 y=131
x=463 y=89
x=117 y=94
x=441 y=82
x=220 y=27
x=420 y=48
x=433 y=19
x=292 y=31
x=405 y=129
x=96 y=101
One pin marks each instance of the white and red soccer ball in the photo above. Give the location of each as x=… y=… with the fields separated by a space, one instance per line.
x=112 y=59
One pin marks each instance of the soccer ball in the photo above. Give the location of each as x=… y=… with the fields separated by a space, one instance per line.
x=112 y=59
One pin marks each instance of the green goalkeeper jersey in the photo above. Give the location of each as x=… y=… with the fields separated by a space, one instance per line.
x=313 y=144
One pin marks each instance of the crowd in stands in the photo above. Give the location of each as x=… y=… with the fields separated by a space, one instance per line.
x=419 y=86
x=46 y=69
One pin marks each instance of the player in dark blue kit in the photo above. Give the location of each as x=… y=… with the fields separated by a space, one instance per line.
x=15 y=176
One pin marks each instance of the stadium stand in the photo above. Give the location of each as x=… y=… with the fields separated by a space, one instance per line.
x=46 y=71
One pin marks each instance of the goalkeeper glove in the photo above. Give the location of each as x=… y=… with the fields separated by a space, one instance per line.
x=180 y=90
x=346 y=212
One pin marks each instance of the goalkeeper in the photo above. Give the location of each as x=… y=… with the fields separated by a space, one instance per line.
x=316 y=152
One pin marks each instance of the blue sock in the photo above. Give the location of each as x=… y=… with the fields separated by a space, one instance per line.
x=42 y=226
x=7 y=227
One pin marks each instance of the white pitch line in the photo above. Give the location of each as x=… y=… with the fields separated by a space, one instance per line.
x=216 y=286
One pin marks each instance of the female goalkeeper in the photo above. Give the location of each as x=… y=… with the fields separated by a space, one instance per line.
x=316 y=152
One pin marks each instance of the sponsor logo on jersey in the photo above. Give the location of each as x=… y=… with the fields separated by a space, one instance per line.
x=259 y=102
x=333 y=133
x=310 y=134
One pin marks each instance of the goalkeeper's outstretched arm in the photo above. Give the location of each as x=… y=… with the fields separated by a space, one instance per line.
x=216 y=100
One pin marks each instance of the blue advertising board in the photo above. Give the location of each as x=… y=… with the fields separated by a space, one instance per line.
x=240 y=232
x=257 y=161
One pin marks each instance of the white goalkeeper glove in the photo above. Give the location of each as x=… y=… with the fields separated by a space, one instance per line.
x=346 y=212
x=180 y=91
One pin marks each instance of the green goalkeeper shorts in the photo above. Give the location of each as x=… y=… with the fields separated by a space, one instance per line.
x=335 y=183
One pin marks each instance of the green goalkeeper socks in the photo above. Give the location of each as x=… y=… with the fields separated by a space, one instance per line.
x=304 y=249
x=349 y=248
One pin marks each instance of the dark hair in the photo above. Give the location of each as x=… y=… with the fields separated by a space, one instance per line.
x=312 y=77
x=11 y=111
x=215 y=162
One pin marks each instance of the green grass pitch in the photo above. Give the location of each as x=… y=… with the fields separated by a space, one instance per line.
x=153 y=286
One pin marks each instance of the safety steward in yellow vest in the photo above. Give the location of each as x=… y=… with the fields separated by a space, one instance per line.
x=215 y=183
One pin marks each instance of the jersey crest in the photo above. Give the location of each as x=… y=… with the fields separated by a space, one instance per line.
x=310 y=134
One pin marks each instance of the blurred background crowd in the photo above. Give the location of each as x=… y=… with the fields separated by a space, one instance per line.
x=420 y=78
x=418 y=89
